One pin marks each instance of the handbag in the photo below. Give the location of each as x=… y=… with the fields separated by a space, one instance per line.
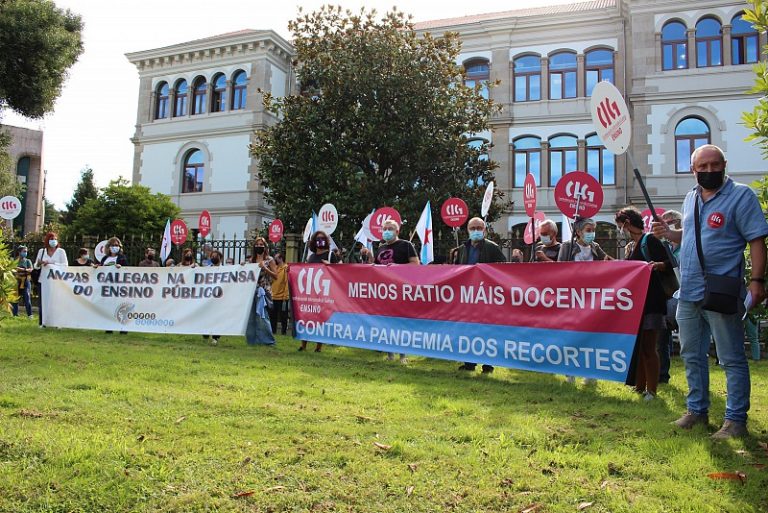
x=721 y=292
x=667 y=277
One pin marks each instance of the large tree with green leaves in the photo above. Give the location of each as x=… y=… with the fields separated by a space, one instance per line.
x=86 y=189
x=38 y=44
x=383 y=118
x=122 y=209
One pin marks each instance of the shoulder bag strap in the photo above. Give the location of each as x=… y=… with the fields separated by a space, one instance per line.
x=697 y=221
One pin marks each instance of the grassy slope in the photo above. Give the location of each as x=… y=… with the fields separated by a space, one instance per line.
x=94 y=422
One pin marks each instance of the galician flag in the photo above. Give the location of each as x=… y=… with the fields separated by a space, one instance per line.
x=165 y=246
x=424 y=231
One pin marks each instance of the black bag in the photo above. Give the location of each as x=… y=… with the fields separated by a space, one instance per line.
x=667 y=277
x=722 y=294
x=35 y=275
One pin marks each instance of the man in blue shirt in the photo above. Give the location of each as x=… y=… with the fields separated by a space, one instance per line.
x=730 y=218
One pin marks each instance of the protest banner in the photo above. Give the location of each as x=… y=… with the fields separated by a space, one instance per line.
x=180 y=300
x=578 y=318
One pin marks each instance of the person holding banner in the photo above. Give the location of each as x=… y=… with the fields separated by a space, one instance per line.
x=319 y=253
x=214 y=256
x=83 y=259
x=49 y=254
x=478 y=250
x=115 y=255
x=720 y=217
x=280 y=296
x=647 y=248
x=585 y=248
x=188 y=258
x=548 y=249
x=393 y=251
x=23 y=273
x=149 y=258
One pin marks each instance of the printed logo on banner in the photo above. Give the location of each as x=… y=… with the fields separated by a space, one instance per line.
x=311 y=282
x=122 y=312
x=716 y=220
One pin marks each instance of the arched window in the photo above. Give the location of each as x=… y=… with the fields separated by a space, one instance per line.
x=200 y=95
x=481 y=159
x=690 y=133
x=162 y=94
x=219 y=103
x=709 y=43
x=527 y=152
x=239 y=90
x=562 y=76
x=181 y=99
x=477 y=71
x=562 y=157
x=194 y=172
x=527 y=78
x=599 y=67
x=744 y=41
x=601 y=163
x=674 y=46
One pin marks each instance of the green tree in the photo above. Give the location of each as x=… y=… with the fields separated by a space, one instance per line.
x=383 y=118
x=52 y=214
x=122 y=209
x=86 y=189
x=8 y=292
x=38 y=44
x=757 y=119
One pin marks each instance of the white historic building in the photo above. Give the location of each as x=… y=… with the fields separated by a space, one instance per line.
x=683 y=65
x=199 y=107
x=26 y=152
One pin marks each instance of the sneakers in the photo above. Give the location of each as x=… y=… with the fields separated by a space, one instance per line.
x=691 y=419
x=466 y=367
x=390 y=357
x=731 y=429
x=649 y=396
x=487 y=369
x=403 y=360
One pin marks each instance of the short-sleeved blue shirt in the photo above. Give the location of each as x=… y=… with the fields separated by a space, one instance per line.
x=729 y=219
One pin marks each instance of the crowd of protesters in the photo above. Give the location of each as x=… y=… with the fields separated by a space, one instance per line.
x=675 y=237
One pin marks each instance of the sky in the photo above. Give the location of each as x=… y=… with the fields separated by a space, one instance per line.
x=95 y=115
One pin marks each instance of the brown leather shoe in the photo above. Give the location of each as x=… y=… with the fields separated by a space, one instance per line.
x=731 y=429
x=691 y=419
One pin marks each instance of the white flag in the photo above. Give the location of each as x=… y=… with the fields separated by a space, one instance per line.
x=565 y=233
x=165 y=246
x=424 y=231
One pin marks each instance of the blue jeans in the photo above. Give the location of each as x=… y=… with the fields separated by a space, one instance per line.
x=25 y=295
x=695 y=328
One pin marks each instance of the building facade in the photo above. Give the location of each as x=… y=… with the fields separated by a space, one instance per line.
x=684 y=67
x=26 y=151
x=200 y=104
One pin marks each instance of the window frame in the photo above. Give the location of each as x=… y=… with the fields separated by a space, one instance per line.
x=482 y=78
x=199 y=168
x=564 y=72
x=600 y=68
x=691 y=139
x=708 y=42
x=563 y=158
x=162 y=101
x=526 y=153
x=674 y=44
x=741 y=38
x=219 y=95
x=527 y=75
x=181 y=101
x=199 y=97
x=239 y=91
x=602 y=154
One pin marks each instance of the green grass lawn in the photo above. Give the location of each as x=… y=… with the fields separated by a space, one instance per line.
x=91 y=422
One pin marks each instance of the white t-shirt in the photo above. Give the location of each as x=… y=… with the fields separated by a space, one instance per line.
x=584 y=254
x=59 y=257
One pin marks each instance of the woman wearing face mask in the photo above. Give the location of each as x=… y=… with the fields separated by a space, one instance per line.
x=259 y=331
x=115 y=255
x=83 y=259
x=188 y=258
x=49 y=254
x=215 y=257
x=23 y=274
x=319 y=253
x=280 y=296
x=585 y=248
x=646 y=248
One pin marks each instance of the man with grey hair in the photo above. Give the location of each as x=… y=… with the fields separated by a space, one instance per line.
x=478 y=250
x=548 y=249
x=720 y=218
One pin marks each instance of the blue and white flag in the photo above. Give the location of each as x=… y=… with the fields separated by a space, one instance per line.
x=424 y=231
x=165 y=246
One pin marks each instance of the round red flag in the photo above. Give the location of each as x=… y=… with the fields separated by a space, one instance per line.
x=381 y=215
x=529 y=195
x=178 y=232
x=276 y=230
x=538 y=218
x=582 y=186
x=204 y=223
x=648 y=218
x=454 y=212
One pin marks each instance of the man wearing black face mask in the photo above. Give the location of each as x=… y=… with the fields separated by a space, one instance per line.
x=149 y=259
x=729 y=218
